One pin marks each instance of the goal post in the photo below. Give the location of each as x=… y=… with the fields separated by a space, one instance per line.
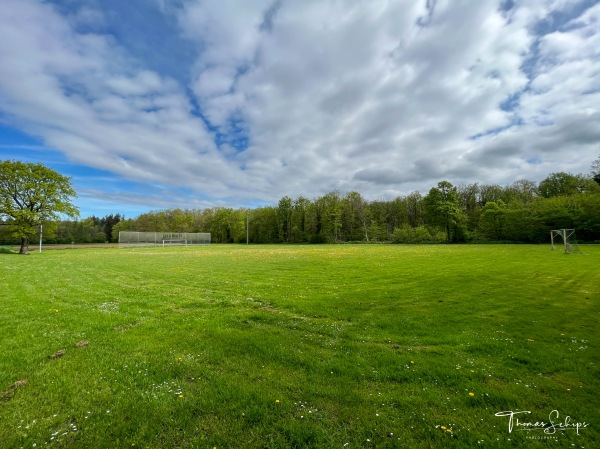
x=131 y=238
x=174 y=242
x=566 y=237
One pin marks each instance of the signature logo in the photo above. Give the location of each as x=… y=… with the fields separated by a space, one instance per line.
x=551 y=427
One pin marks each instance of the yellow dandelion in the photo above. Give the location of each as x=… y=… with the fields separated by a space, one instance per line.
x=180 y=396
x=276 y=401
x=471 y=394
x=448 y=430
x=443 y=427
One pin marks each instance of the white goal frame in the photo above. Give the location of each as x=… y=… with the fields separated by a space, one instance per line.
x=175 y=242
x=131 y=238
x=568 y=240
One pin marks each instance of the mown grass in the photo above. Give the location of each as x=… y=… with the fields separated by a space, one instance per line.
x=350 y=346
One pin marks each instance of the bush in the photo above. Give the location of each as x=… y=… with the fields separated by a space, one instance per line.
x=318 y=239
x=420 y=234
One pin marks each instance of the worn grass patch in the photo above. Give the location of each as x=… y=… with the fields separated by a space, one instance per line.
x=300 y=346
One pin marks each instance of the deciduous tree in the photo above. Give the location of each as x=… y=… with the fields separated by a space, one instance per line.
x=564 y=184
x=493 y=215
x=442 y=208
x=31 y=194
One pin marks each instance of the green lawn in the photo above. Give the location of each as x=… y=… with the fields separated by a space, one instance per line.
x=331 y=346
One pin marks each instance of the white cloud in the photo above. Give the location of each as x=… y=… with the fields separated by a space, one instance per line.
x=82 y=95
x=369 y=96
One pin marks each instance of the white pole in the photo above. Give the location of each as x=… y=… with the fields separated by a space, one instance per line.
x=41 y=226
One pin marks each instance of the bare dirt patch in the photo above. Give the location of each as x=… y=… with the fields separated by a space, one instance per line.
x=8 y=394
x=57 y=354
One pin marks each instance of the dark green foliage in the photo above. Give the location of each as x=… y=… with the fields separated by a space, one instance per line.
x=318 y=239
x=284 y=219
x=493 y=220
x=565 y=184
x=420 y=234
x=442 y=208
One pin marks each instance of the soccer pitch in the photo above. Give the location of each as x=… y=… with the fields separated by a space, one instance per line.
x=325 y=346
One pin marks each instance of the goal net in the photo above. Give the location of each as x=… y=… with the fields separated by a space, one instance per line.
x=130 y=238
x=565 y=238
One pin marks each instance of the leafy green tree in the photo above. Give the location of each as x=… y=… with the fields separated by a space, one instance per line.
x=228 y=225
x=332 y=214
x=493 y=216
x=442 y=209
x=522 y=190
x=420 y=234
x=587 y=223
x=122 y=225
x=299 y=218
x=414 y=209
x=398 y=213
x=31 y=194
x=318 y=212
x=564 y=184
x=108 y=222
x=284 y=219
x=490 y=192
x=468 y=196
x=89 y=231
x=356 y=217
x=379 y=214
x=263 y=225
x=519 y=222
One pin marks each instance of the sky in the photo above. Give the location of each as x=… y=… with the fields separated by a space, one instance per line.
x=160 y=104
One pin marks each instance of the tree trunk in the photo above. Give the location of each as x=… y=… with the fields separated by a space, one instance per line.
x=24 y=245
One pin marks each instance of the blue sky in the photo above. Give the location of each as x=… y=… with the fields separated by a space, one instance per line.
x=153 y=104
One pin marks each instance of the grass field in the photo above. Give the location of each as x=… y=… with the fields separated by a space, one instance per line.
x=346 y=346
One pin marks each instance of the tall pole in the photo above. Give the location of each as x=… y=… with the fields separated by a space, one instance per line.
x=41 y=227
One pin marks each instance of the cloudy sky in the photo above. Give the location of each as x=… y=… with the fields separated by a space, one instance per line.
x=153 y=104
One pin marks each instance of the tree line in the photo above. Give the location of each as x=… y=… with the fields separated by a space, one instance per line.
x=523 y=211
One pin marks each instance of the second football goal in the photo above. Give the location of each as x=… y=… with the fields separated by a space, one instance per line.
x=131 y=238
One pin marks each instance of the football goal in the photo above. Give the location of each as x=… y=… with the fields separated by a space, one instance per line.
x=565 y=237
x=130 y=238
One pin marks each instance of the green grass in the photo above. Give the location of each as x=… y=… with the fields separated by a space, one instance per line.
x=352 y=346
